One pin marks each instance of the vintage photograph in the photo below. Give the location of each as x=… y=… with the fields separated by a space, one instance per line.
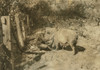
x=49 y=34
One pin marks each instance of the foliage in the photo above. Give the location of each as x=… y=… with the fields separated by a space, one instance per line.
x=5 y=7
x=43 y=8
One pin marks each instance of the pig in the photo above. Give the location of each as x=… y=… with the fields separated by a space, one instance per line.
x=49 y=33
x=65 y=37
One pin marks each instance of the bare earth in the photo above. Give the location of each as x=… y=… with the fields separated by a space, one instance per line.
x=65 y=60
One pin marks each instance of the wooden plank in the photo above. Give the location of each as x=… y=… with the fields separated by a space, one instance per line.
x=6 y=29
x=19 y=32
x=23 y=31
x=28 y=24
x=5 y=20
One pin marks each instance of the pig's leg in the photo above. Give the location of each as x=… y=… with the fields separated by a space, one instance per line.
x=66 y=45
x=53 y=45
x=56 y=46
x=73 y=48
x=62 y=45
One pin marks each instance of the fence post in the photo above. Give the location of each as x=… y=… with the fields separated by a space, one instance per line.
x=5 y=20
x=6 y=29
x=23 y=31
x=28 y=24
x=19 y=32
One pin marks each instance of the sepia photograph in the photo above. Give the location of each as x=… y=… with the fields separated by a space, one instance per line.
x=49 y=34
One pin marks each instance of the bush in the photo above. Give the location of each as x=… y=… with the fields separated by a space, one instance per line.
x=43 y=8
x=5 y=6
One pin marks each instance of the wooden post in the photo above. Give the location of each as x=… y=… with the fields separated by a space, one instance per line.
x=23 y=31
x=28 y=24
x=19 y=32
x=6 y=29
x=5 y=20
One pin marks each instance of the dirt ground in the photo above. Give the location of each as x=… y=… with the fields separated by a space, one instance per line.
x=65 y=60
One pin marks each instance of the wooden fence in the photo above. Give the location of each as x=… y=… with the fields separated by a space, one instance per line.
x=20 y=29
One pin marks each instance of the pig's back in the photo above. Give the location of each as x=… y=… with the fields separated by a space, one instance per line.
x=65 y=35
